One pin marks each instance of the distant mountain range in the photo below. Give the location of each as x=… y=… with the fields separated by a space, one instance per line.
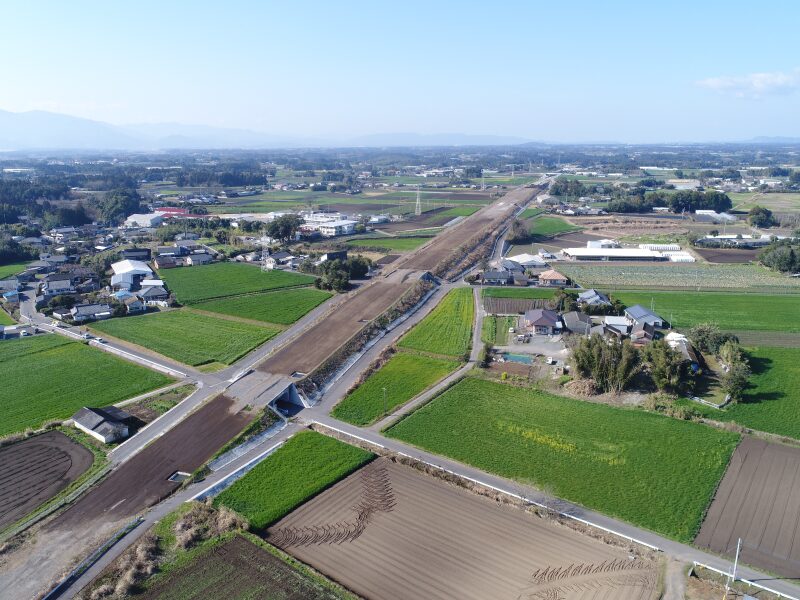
x=39 y=130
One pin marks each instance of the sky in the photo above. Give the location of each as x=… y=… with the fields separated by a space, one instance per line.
x=549 y=71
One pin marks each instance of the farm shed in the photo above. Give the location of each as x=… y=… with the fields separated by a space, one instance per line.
x=108 y=424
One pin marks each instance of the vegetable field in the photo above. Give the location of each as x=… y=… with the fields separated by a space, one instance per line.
x=695 y=276
x=283 y=307
x=300 y=469
x=49 y=377
x=447 y=330
x=550 y=226
x=188 y=337
x=651 y=470
x=403 y=376
x=218 y=280
x=728 y=310
x=495 y=329
x=12 y=269
x=514 y=292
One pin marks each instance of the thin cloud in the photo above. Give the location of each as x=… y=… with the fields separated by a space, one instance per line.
x=755 y=85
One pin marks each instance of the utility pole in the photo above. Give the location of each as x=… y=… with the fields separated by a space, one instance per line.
x=732 y=576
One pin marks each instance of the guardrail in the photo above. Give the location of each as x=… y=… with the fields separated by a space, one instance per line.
x=746 y=581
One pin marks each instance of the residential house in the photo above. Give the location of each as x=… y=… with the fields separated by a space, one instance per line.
x=498 y=277
x=165 y=262
x=10 y=285
x=642 y=333
x=154 y=296
x=577 y=322
x=510 y=265
x=620 y=324
x=606 y=331
x=58 y=284
x=528 y=260
x=680 y=343
x=11 y=297
x=81 y=313
x=542 y=321
x=338 y=255
x=134 y=306
x=199 y=259
x=553 y=278
x=593 y=298
x=140 y=254
x=108 y=424
x=639 y=314
x=171 y=251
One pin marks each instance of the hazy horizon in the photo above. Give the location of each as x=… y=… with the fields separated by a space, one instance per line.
x=585 y=73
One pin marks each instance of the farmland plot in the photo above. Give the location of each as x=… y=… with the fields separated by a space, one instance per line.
x=283 y=307
x=447 y=330
x=49 y=377
x=301 y=468
x=190 y=338
x=404 y=376
x=730 y=311
x=696 y=276
x=758 y=501
x=514 y=292
x=388 y=532
x=36 y=469
x=218 y=280
x=651 y=470
x=394 y=244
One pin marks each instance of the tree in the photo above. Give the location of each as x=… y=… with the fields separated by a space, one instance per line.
x=284 y=228
x=665 y=365
x=760 y=217
x=611 y=364
x=737 y=370
x=707 y=337
x=221 y=235
x=518 y=232
x=118 y=204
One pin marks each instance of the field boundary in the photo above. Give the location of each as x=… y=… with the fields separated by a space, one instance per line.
x=745 y=581
x=499 y=490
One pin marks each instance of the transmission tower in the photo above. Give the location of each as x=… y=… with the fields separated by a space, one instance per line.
x=264 y=256
x=418 y=208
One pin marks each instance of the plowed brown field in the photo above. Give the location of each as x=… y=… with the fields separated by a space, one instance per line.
x=34 y=470
x=312 y=347
x=389 y=531
x=758 y=500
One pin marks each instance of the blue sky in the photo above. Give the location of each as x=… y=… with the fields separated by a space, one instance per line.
x=579 y=71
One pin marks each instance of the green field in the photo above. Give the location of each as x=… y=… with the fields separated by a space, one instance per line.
x=300 y=469
x=760 y=312
x=780 y=202
x=653 y=471
x=550 y=226
x=5 y=318
x=495 y=329
x=218 y=280
x=404 y=376
x=529 y=213
x=512 y=292
x=12 y=269
x=458 y=211
x=447 y=330
x=401 y=244
x=694 y=276
x=189 y=337
x=772 y=402
x=283 y=307
x=49 y=377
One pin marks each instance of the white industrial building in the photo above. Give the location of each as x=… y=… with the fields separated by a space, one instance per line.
x=612 y=254
x=528 y=260
x=602 y=244
x=334 y=228
x=144 y=220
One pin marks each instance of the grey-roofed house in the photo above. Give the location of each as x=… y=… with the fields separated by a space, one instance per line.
x=542 y=321
x=108 y=424
x=9 y=285
x=81 y=313
x=639 y=314
x=510 y=265
x=498 y=277
x=134 y=305
x=143 y=254
x=593 y=298
x=642 y=333
x=199 y=259
x=154 y=296
x=577 y=322
x=58 y=287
